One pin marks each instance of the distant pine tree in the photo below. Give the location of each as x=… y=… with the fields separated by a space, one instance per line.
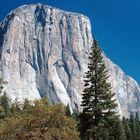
x=99 y=107
x=127 y=129
x=2 y=82
x=117 y=130
x=133 y=125
x=2 y=113
x=4 y=102
x=137 y=123
x=15 y=108
x=68 y=113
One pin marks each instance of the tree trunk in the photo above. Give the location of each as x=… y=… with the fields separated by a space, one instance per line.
x=94 y=136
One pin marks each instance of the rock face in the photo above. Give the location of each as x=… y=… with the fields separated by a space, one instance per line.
x=126 y=88
x=44 y=52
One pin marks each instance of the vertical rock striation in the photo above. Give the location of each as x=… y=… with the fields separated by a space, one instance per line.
x=44 y=52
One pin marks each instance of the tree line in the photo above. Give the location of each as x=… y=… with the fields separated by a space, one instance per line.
x=36 y=120
x=132 y=127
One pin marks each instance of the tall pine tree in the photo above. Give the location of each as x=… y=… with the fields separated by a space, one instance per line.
x=133 y=125
x=99 y=107
x=137 y=123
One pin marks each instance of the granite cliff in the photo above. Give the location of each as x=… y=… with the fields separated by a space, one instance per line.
x=44 y=52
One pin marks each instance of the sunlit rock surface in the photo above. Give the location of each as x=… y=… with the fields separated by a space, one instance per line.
x=44 y=52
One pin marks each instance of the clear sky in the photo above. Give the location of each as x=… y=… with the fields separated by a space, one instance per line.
x=115 y=24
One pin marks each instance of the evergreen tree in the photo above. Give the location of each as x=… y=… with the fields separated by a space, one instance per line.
x=2 y=82
x=137 y=123
x=68 y=113
x=117 y=129
x=15 y=108
x=75 y=115
x=27 y=106
x=98 y=103
x=133 y=125
x=2 y=113
x=127 y=129
x=85 y=122
x=4 y=101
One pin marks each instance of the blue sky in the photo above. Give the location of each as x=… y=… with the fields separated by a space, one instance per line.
x=115 y=24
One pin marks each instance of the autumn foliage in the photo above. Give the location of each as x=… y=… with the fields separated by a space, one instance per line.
x=38 y=120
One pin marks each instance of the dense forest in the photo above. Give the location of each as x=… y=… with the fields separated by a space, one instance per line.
x=40 y=120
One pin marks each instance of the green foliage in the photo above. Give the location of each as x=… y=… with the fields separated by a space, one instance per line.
x=16 y=108
x=2 y=112
x=2 y=82
x=98 y=104
x=137 y=124
x=68 y=113
x=127 y=129
x=75 y=115
x=132 y=127
x=4 y=103
x=85 y=122
x=38 y=121
x=117 y=128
